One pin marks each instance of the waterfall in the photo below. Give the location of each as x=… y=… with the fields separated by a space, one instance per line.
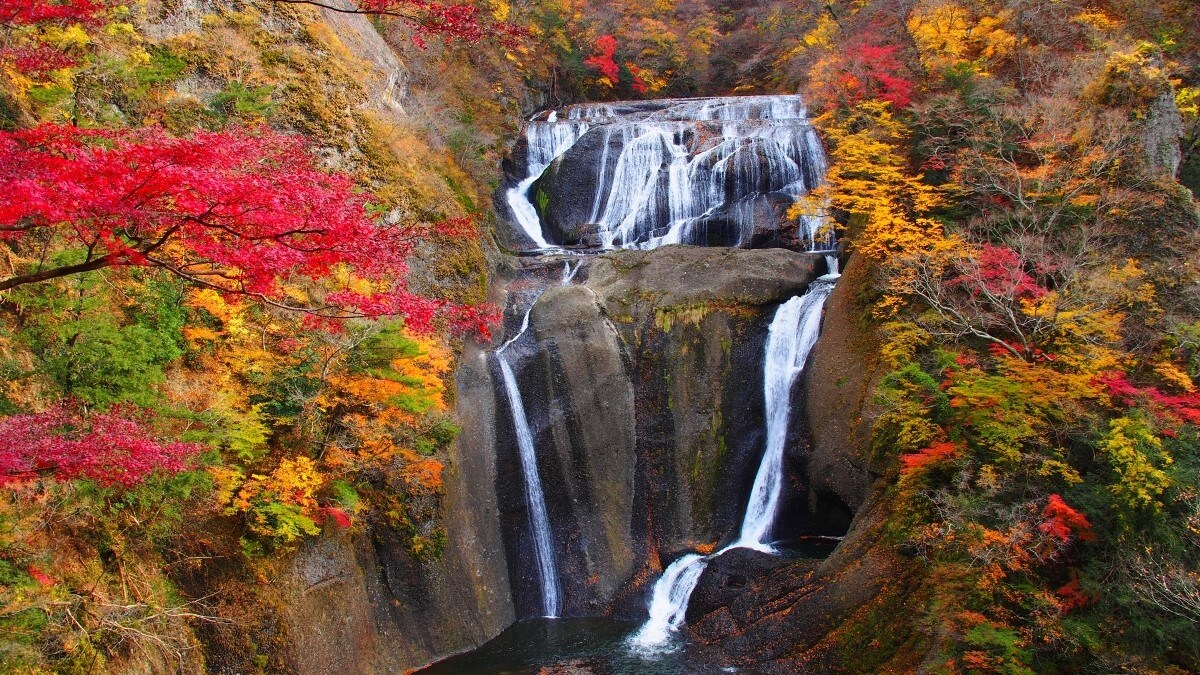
x=569 y=272
x=831 y=264
x=790 y=339
x=669 y=603
x=535 y=500
x=680 y=165
x=546 y=141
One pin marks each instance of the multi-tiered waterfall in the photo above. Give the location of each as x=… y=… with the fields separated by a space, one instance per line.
x=605 y=177
x=719 y=171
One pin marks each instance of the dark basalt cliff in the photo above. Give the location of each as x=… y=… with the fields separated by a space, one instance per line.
x=653 y=363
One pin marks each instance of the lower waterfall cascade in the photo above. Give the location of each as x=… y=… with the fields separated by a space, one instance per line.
x=791 y=337
x=535 y=499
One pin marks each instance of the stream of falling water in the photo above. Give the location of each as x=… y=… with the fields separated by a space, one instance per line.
x=790 y=340
x=535 y=499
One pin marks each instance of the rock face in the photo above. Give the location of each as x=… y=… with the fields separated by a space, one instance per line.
x=841 y=378
x=1164 y=133
x=642 y=386
x=577 y=399
x=363 y=604
x=775 y=617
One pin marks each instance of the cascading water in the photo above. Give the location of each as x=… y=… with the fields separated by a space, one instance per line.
x=546 y=141
x=535 y=499
x=669 y=603
x=791 y=337
x=645 y=174
x=683 y=169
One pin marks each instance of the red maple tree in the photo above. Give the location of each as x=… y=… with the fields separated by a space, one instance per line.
x=112 y=448
x=602 y=59
x=31 y=12
x=240 y=211
x=460 y=22
x=1061 y=522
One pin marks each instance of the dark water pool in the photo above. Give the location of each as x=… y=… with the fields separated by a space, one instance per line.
x=594 y=646
x=567 y=647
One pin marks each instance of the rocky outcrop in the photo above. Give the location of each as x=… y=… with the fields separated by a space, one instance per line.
x=642 y=385
x=571 y=184
x=1164 y=134
x=839 y=383
x=383 y=77
x=780 y=616
x=577 y=398
x=365 y=604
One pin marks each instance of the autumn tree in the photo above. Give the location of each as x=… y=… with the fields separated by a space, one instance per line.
x=40 y=36
x=237 y=211
x=67 y=441
x=461 y=22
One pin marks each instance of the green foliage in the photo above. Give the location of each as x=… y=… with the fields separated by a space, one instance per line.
x=913 y=405
x=246 y=434
x=93 y=353
x=237 y=101
x=49 y=96
x=1136 y=455
x=345 y=495
x=285 y=522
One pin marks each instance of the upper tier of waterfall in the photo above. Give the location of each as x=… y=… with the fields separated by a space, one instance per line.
x=707 y=171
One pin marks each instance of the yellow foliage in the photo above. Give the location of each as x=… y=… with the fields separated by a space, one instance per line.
x=1098 y=20
x=822 y=36
x=65 y=37
x=282 y=505
x=1188 y=101
x=501 y=10
x=869 y=179
x=1086 y=341
x=1136 y=455
x=941 y=31
x=227 y=480
x=1175 y=376
x=948 y=35
x=902 y=339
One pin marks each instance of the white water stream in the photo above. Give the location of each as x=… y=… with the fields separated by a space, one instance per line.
x=535 y=499
x=664 y=173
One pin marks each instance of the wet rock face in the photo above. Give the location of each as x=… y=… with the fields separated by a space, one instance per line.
x=571 y=184
x=733 y=577
x=362 y=603
x=643 y=390
x=841 y=378
x=642 y=383
x=774 y=613
x=576 y=396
